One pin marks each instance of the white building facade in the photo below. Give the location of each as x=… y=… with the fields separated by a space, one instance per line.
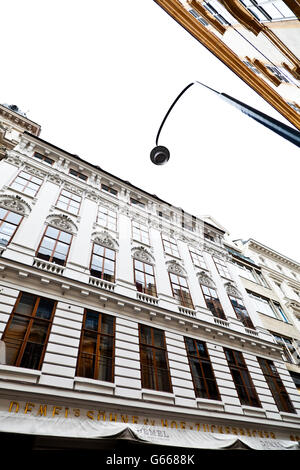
x=120 y=312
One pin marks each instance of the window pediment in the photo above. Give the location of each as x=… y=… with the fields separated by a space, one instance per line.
x=105 y=239
x=15 y=204
x=142 y=254
x=62 y=222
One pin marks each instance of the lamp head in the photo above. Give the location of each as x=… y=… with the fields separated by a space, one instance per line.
x=159 y=155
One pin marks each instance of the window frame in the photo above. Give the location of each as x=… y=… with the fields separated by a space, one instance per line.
x=182 y=301
x=195 y=259
x=170 y=243
x=69 y=199
x=201 y=360
x=78 y=174
x=44 y=158
x=32 y=316
x=238 y=366
x=154 y=361
x=2 y=221
x=108 y=218
x=96 y=357
x=283 y=403
x=137 y=226
x=144 y=290
x=222 y=268
x=57 y=240
x=247 y=321
x=215 y=301
x=26 y=185
x=103 y=261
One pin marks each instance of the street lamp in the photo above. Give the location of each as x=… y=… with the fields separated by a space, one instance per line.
x=160 y=155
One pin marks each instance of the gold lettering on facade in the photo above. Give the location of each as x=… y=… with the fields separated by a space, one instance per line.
x=90 y=414
x=56 y=410
x=28 y=407
x=42 y=410
x=101 y=413
x=11 y=405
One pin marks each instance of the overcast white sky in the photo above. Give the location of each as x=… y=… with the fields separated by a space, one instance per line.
x=99 y=77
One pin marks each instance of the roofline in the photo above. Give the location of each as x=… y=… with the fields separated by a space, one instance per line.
x=255 y=242
x=76 y=157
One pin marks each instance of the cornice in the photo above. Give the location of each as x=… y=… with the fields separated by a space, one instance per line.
x=108 y=299
x=274 y=255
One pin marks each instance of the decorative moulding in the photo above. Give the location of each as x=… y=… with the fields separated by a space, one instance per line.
x=142 y=254
x=15 y=203
x=105 y=239
x=232 y=290
x=204 y=279
x=62 y=222
x=174 y=267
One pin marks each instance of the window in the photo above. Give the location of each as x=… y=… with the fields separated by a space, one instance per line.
x=107 y=218
x=251 y=274
x=241 y=312
x=181 y=291
x=54 y=246
x=144 y=278
x=69 y=202
x=264 y=10
x=97 y=347
x=108 y=189
x=241 y=377
x=212 y=302
x=289 y=352
x=222 y=268
x=268 y=307
x=9 y=222
x=140 y=232
x=188 y=222
x=276 y=386
x=26 y=183
x=170 y=245
x=197 y=258
x=27 y=331
x=135 y=202
x=154 y=362
x=77 y=174
x=43 y=158
x=204 y=380
x=103 y=263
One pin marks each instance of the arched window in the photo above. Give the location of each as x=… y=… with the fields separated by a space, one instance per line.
x=103 y=258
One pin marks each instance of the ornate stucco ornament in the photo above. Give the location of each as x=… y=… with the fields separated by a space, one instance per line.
x=105 y=239
x=62 y=222
x=142 y=254
x=15 y=203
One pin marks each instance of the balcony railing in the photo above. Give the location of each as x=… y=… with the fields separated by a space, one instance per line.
x=96 y=282
x=47 y=266
x=147 y=298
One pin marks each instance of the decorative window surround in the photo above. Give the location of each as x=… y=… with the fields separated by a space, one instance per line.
x=19 y=374
x=158 y=396
x=206 y=404
x=91 y=385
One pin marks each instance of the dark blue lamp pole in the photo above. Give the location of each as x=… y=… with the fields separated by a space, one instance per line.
x=160 y=154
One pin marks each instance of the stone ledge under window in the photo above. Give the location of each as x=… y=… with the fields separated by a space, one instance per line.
x=206 y=404
x=254 y=411
x=292 y=417
x=157 y=396
x=19 y=374
x=84 y=384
